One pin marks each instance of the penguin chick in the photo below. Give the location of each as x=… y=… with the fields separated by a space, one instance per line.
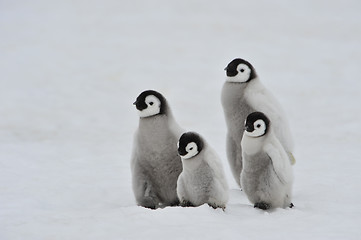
x=242 y=94
x=155 y=162
x=202 y=179
x=266 y=177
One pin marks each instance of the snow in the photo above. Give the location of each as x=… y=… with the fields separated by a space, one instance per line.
x=70 y=71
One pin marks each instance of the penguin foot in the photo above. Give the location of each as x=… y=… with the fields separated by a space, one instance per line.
x=148 y=202
x=150 y=206
x=216 y=206
x=291 y=205
x=186 y=203
x=174 y=203
x=262 y=205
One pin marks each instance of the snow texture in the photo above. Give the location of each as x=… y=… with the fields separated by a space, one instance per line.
x=70 y=71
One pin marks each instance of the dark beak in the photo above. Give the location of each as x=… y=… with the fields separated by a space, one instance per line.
x=182 y=152
x=140 y=105
x=248 y=128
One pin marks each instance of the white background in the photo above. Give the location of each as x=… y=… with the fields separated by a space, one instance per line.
x=70 y=71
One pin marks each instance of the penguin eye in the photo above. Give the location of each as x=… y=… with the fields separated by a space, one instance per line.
x=151 y=103
x=258 y=125
x=191 y=149
x=241 y=70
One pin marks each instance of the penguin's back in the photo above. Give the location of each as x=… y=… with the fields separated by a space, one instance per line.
x=262 y=100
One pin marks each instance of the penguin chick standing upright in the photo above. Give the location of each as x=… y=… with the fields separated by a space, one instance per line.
x=266 y=177
x=242 y=94
x=202 y=179
x=155 y=162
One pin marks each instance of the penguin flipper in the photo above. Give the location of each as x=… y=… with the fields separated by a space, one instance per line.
x=279 y=159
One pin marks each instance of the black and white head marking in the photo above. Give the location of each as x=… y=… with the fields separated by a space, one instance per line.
x=150 y=103
x=189 y=145
x=256 y=125
x=240 y=71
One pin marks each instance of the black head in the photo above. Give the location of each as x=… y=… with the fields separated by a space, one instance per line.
x=150 y=103
x=240 y=70
x=189 y=145
x=257 y=124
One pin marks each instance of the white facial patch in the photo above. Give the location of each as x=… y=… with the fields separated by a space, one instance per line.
x=244 y=72
x=153 y=107
x=192 y=150
x=259 y=129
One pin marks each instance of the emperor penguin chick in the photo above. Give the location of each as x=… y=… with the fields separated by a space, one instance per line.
x=242 y=94
x=202 y=179
x=155 y=162
x=266 y=177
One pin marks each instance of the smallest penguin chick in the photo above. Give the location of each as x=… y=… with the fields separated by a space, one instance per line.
x=202 y=179
x=267 y=174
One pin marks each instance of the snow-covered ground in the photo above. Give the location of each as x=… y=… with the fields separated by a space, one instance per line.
x=70 y=71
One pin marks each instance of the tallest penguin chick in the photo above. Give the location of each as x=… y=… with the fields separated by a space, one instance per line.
x=155 y=162
x=242 y=94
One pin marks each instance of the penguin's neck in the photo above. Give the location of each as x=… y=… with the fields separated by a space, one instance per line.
x=154 y=126
x=257 y=95
x=252 y=145
x=232 y=92
x=191 y=164
x=253 y=150
x=255 y=84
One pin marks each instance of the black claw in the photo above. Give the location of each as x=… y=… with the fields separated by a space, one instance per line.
x=262 y=205
x=174 y=204
x=216 y=206
x=291 y=205
x=212 y=206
